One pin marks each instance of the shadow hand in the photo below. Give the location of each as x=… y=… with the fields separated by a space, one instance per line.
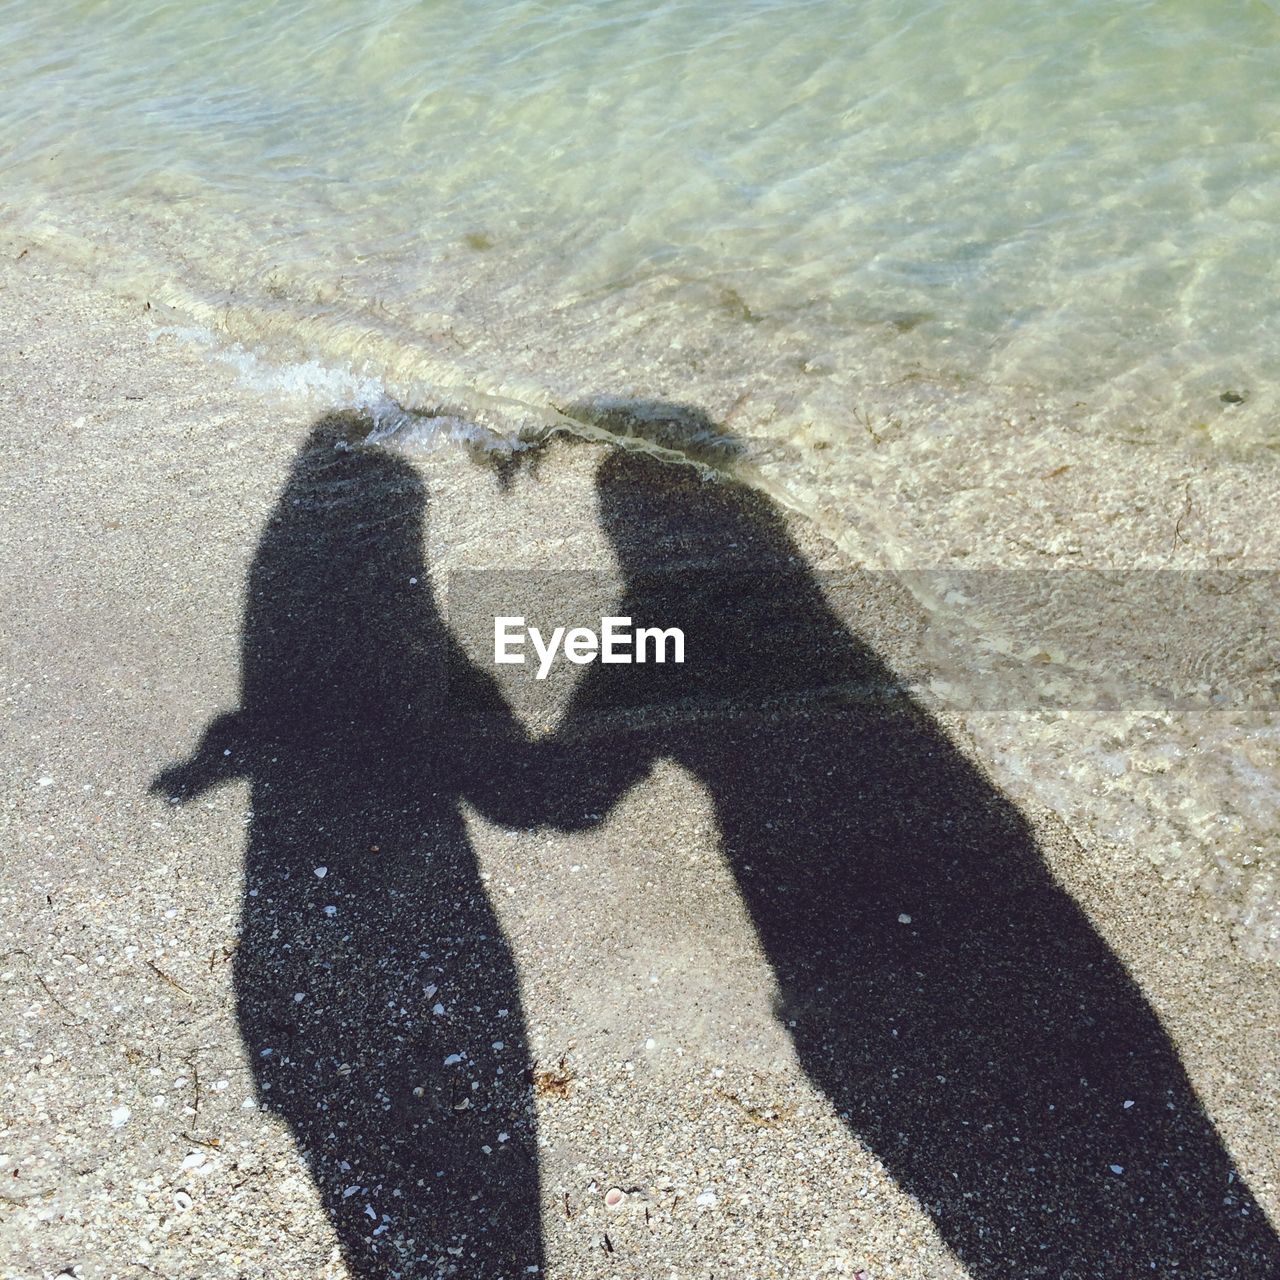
x=218 y=759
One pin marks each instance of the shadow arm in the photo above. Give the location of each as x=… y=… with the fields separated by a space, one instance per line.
x=218 y=759
x=568 y=781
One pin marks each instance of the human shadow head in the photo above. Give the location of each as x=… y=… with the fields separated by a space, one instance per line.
x=667 y=429
x=376 y=995
x=339 y=602
x=330 y=586
x=702 y=550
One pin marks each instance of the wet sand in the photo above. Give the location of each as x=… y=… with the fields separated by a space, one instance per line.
x=677 y=1042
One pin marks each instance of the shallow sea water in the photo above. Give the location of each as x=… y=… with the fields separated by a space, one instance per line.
x=1079 y=199
x=839 y=232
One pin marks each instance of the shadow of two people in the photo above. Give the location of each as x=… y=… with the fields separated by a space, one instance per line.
x=984 y=1053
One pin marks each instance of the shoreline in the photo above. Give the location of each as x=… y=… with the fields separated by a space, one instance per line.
x=145 y=475
x=915 y=469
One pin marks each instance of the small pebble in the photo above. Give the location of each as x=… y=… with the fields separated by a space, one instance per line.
x=707 y=1200
x=321 y=872
x=120 y=1116
x=1117 y=1168
x=904 y=918
x=614 y=1197
x=181 y=1201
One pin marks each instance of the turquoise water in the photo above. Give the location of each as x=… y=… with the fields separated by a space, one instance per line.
x=1077 y=200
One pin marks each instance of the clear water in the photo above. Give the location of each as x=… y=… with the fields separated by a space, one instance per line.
x=896 y=245
x=1078 y=198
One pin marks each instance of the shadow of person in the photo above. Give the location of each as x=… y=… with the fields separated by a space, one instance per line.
x=376 y=994
x=945 y=993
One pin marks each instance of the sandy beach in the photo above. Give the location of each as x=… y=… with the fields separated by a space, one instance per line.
x=656 y=968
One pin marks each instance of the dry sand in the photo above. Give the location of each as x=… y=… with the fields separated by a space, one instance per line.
x=677 y=1043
